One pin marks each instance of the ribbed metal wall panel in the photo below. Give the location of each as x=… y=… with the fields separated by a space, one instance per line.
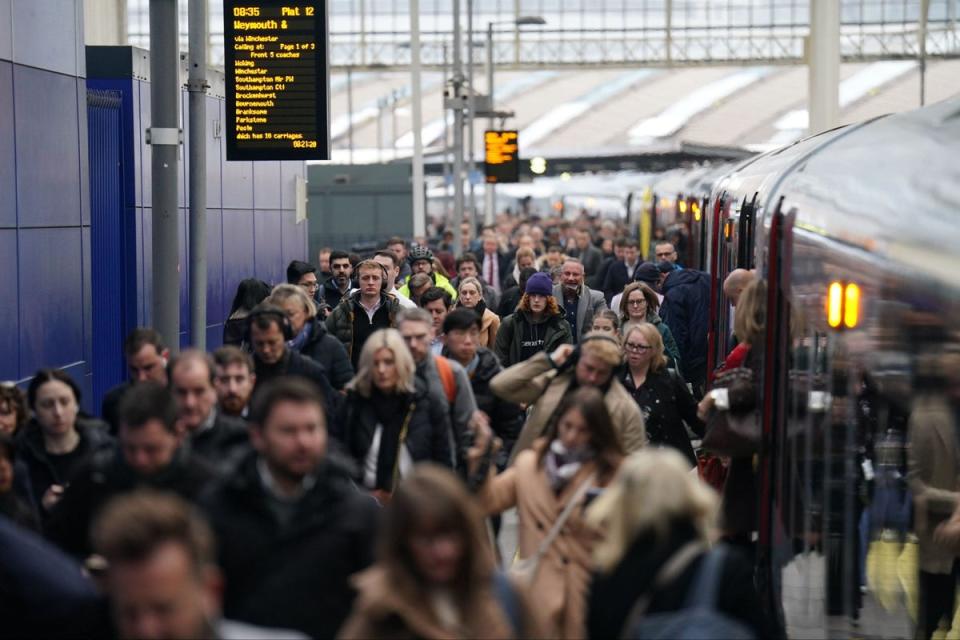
x=108 y=246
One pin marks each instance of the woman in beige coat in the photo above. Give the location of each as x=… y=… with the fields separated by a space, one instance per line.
x=435 y=575
x=580 y=450
x=471 y=297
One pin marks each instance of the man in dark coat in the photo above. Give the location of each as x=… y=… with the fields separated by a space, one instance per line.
x=686 y=310
x=324 y=348
x=589 y=255
x=462 y=329
x=219 y=439
x=511 y=297
x=292 y=528
x=146 y=356
x=622 y=272
x=363 y=312
x=149 y=455
x=269 y=333
x=338 y=285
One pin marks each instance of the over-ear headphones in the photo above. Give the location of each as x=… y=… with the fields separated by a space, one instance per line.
x=270 y=311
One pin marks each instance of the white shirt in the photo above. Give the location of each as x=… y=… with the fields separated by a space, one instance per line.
x=373 y=310
x=405 y=464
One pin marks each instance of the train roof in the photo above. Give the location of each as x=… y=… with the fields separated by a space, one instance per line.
x=890 y=186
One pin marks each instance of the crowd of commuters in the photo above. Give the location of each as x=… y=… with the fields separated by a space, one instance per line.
x=331 y=470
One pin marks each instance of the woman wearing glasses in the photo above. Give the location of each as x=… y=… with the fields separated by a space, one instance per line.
x=639 y=303
x=663 y=397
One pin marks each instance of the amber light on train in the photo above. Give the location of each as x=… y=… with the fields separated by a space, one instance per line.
x=696 y=211
x=683 y=206
x=851 y=306
x=843 y=305
x=728 y=229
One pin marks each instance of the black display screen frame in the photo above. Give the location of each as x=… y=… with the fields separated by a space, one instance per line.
x=238 y=149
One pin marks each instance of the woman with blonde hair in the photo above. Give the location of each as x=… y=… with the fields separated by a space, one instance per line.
x=537 y=326
x=435 y=575
x=310 y=335
x=577 y=456
x=387 y=423
x=654 y=513
x=661 y=394
x=639 y=303
x=471 y=297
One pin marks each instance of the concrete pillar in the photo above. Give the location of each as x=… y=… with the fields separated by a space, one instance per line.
x=823 y=60
x=104 y=22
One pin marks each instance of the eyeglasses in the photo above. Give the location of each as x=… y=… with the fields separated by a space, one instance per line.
x=637 y=303
x=312 y=286
x=637 y=348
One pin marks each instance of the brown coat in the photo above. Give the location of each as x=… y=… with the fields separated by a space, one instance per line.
x=933 y=476
x=384 y=611
x=563 y=578
x=536 y=381
x=489 y=325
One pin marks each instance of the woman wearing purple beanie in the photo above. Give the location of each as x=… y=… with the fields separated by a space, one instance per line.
x=538 y=324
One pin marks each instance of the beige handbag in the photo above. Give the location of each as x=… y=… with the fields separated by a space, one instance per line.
x=524 y=570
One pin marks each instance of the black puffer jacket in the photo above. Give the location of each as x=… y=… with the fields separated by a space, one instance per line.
x=427 y=437
x=506 y=418
x=94 y=437
x=107 y=475
x=224 y=443
x=328 y=351
x=294 y=576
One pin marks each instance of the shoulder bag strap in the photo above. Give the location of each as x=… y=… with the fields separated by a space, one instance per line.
x=668 y=573
x=564 y=516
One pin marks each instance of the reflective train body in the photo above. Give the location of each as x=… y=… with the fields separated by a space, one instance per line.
x=856 y=231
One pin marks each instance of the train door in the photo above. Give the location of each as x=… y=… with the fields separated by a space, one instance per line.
x=719 y=257
x=745 y=234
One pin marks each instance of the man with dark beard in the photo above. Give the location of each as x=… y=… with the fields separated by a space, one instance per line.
x=234 y=379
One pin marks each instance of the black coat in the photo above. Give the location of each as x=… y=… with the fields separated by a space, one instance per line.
x=600 y=277
x=107 y=475
x=612 y=596
x=328 y=351
x=427 y=438
x=331 y=294
x=592 y=258
x=617 y=278
x=506 y=418
x=295 y=364
x=41 y=472
x=224 y=443
x=295 y=576
x=686 y=310
x=235 y=331
x=43 y=592
x=666 y=403
x=509 y=300
x=110 y=406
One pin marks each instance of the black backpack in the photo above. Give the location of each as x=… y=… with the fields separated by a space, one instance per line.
x=699 y=619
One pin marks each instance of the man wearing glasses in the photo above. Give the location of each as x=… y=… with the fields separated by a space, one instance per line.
x=666 y=252
x=303 y=274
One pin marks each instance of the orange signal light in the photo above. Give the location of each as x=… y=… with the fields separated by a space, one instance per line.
x=851 y=306
x=835 y=304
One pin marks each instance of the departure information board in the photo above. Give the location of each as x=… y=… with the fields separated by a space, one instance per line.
x=277 y=78
x=502 y=159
